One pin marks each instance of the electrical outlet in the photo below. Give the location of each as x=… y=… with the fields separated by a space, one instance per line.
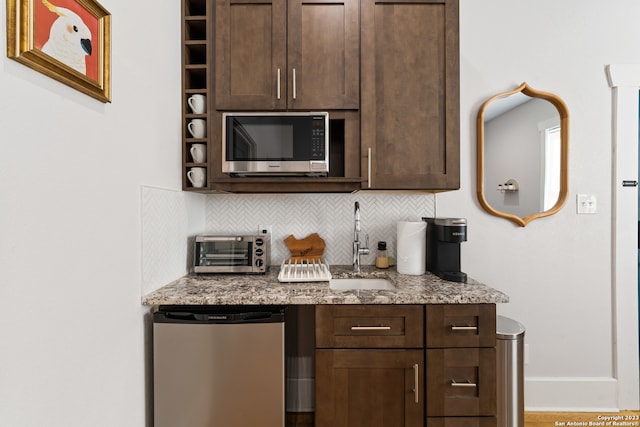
x=265 y=229
x=586 y=203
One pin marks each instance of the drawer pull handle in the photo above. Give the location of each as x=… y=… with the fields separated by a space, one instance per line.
x=468 y=383
x=416 y=379
x=464 y=328
x=371 y=328
x=294 y=84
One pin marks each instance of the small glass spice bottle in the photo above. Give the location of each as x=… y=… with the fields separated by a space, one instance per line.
x=382 y=260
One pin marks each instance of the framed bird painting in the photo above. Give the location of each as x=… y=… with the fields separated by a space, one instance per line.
x=68 y=40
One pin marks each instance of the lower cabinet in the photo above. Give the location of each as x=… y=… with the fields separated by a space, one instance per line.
x=461 y=382
x=461 y=365
x=370 y=388
x=370 y=366
x=405 y=365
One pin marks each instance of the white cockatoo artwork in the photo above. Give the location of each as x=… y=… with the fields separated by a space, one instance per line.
x=69 y=39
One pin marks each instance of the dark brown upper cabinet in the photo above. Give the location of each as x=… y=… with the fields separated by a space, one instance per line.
x=410 y=94
x=386 y=70
x=279 y=54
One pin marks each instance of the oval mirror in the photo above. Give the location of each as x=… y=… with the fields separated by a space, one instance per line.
x=523 y=151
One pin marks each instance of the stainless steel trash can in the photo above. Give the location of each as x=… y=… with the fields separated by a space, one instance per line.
x=510 y=360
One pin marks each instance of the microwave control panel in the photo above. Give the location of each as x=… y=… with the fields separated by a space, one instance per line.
x=317 y=138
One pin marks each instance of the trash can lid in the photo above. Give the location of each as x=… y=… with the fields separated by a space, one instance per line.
x=508 y=329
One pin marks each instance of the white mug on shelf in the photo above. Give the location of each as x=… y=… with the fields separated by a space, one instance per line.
x=198 y=103
x=198 y=153
x=197 y=128
x=197 y=176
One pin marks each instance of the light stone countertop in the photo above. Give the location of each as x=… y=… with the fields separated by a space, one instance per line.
x=229 y=289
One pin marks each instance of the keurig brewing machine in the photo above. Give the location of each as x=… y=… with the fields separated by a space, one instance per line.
x=444 y=236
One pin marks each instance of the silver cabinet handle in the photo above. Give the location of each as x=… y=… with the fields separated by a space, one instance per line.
x=464 y=328
x=278 y=84
x=416 y=380
x=294 y=84
x=468 y=383
x=371 y=328
x=369 y=168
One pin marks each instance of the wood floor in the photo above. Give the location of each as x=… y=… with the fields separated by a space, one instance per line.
x=531 y=419
x=570 y=419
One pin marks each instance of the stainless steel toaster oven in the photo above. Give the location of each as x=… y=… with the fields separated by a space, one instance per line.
x=232 y=254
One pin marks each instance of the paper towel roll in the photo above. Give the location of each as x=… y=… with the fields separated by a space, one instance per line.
x=412 y=247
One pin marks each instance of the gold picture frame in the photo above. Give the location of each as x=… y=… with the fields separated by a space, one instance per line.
x=67 y=40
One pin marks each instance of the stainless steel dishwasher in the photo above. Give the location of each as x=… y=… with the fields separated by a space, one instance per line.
x=218 y=366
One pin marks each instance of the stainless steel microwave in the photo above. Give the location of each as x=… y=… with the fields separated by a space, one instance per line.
x=295 y=143
x=232 y=254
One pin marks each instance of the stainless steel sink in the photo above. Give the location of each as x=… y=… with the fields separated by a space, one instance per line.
x=361 y=283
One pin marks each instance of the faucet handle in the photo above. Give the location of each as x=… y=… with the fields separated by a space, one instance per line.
x=365 y=250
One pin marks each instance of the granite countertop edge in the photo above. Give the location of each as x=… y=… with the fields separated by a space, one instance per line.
x=237 y=289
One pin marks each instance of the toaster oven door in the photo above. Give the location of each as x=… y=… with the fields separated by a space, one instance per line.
x=233 y=255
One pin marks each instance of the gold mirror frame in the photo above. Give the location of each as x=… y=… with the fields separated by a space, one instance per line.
x=564 y=154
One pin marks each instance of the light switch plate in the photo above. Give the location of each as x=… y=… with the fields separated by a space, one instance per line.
x=586 y=203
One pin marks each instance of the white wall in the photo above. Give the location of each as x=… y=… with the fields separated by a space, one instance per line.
x=557 y=270
x=71 y=169
x=71 y=172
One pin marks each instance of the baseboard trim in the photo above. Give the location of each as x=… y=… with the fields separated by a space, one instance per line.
x=571 y=394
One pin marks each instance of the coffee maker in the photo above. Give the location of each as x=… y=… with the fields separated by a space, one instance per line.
x=444 y=236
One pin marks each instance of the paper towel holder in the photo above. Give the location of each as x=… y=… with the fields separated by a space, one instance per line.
x=509 y=185
x=411 y=257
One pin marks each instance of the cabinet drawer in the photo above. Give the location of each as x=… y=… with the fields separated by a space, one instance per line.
x=461 y=325
x=462 y=422
x=366 y=326
x=461 y=382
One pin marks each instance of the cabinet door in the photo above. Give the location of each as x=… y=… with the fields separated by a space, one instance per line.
x=250 y=54
x=369 y=388
x=410 y=94
x=323 y=52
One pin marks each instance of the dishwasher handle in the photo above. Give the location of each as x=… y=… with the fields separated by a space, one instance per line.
x=218 y=315
x=180 y=315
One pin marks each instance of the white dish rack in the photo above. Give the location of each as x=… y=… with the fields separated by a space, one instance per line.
x=311 y=270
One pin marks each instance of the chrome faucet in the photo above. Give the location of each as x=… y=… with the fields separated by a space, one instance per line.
x=358 y=249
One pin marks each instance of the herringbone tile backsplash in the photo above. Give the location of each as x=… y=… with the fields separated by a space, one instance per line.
x=169 y=218
x=330 y=215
